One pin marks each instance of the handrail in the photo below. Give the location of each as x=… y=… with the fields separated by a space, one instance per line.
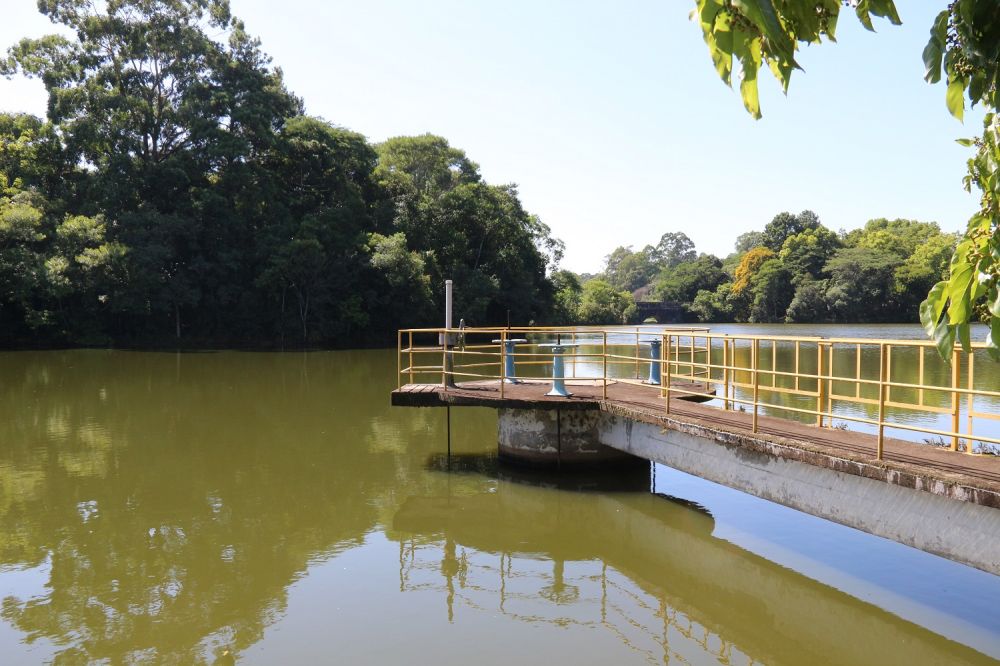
x=883 y=385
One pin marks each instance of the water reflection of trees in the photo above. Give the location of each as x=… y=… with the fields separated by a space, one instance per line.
x=176 y=498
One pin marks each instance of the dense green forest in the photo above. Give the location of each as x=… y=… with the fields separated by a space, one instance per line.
x=794 y=270
x=177 y=194
x=176 y=191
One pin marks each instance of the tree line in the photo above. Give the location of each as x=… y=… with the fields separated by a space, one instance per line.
x=795 y=270
x=177 y=192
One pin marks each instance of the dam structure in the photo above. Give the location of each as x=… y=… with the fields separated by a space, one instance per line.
x=880 y=435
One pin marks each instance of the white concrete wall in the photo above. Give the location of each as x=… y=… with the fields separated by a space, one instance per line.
x=960 y=531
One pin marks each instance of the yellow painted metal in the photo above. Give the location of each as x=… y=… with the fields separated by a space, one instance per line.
x=755 y=364
x=819 y=386
x=725 y=373
x=604 y=375
x=692 y=360
x=883 y=377
x=956 y=404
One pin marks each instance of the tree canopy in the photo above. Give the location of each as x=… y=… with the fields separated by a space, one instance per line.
x=177 y=193
x=963 y=50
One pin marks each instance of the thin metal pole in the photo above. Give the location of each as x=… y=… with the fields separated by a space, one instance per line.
x=604 y=358
x=399 y=359
x=503 y=361
x=447 y=410
x=956 y=402
x=820 y=384
x=666 y=384
x=971 y=402
x=754 y=362
x=882 y=377
x=410 y=350
x=725 y=373
x=637 y=352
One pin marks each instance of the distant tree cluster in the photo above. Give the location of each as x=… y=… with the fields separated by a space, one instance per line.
x=176 y=191
x=794 y=270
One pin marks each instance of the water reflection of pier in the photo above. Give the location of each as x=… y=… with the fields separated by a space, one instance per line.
x=652 y=575
x=588 y=594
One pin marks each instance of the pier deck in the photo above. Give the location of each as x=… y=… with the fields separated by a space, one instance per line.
x=970 y=478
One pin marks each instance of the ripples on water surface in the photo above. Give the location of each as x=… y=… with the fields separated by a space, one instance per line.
x=272 y=508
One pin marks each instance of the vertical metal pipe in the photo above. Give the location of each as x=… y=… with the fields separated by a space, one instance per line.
x=399 y=359
x=666 y=384
x=725 y=373
x=970 y=406
x=755 y=362
x=447 y=409
x=637 y=352
x=604 y=359
x=882 y=379
x=819 y=384
x=956 y=403
x=410 y=351
x=503 y=361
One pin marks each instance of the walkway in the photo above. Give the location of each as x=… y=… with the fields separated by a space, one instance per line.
x=970 y=478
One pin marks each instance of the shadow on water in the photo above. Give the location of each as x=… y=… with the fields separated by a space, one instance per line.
x=608 y=538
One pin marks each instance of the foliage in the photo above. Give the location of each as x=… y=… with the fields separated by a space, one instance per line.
x=785 y=225
x=672 y=249
x=964 y=50
x=628 y=270
x=748 y=267
x=177 y=192
x=568 y=292
x=861 y=285
x=683 y=283
x=600 y=303
x=805 y=253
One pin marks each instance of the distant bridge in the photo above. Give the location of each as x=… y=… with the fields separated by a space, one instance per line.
x=665 y=312
x=799 y=421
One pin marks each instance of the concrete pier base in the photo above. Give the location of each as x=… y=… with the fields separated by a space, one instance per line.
x=555 y=438
x=962 y=531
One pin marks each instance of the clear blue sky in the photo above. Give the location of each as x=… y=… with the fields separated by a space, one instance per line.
x=610 y=117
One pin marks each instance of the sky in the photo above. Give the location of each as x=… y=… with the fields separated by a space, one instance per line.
x=609 y=116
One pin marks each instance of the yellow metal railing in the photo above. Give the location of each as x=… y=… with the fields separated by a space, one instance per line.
x=901 y=386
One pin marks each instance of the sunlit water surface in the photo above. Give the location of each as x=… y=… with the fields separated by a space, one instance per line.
x=272 y=508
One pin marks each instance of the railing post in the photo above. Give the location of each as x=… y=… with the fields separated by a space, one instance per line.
x=399 y=359
x=971 y=398
x=666 y=385
x=725 y=373
x=410 y=349
x=882 y=379
x=604 y=359
x=754 y=362
x=637 y=352
x=956 y=401
x=820 y=384
x=574 y=355
x=503 y=361
x=444 y=360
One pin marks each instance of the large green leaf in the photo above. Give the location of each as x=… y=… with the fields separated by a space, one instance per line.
x=932 y=307
x=993 y=338
x=955 y=97
x=934 y=50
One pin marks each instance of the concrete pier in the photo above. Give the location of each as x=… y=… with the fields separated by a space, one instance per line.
x=938 y=501
x=555 y=438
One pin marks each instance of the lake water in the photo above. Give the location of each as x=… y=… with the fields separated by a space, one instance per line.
x=273 y=509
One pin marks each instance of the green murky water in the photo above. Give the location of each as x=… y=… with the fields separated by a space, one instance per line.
x=273 y=509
